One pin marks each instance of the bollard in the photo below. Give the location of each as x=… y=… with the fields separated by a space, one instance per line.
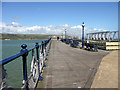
x=37 y=52
x=24 y=58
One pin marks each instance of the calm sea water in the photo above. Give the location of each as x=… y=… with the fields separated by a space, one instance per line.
x=14 y=68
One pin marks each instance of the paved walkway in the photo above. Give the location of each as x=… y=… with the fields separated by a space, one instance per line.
x=107 y=75
x=69 y=67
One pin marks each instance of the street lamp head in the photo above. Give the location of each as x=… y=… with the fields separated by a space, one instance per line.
x=83 y=24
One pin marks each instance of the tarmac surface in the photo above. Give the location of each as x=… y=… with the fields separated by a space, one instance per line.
x=69 y=67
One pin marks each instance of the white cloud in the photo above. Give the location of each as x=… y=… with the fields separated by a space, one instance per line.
x=75 y=27
x=66 y=25
x=14 y=23
x=50 y=26
x=16 y=28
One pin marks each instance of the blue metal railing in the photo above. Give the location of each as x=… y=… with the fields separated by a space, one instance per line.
x=41 y=53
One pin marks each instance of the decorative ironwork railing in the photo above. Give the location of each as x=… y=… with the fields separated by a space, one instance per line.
x=37 y=64
x=106 y=36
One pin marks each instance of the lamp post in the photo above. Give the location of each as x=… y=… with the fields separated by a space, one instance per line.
x=83 y=25
x=62 y=35
x=65 y=34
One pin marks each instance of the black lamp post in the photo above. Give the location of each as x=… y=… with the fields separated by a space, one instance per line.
x=83 y=25
x=62 y=35
x=65 y=34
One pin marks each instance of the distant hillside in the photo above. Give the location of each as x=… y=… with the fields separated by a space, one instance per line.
x=29 y=36
x=23 y=36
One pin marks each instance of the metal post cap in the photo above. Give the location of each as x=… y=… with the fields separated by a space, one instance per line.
x=24 y=46
x=83 y=24
x=36 y=42
x=37 y=46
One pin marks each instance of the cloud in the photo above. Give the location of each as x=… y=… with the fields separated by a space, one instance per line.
x=15 y=17
x=75 y=27
x=92 y=30
x=16 y=28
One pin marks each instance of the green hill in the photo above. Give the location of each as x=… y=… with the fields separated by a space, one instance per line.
x=23 y=36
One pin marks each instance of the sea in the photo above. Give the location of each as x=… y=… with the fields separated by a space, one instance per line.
x=14 y=68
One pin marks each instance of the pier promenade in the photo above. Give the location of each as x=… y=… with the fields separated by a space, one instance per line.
x=107 y=74
x=69 y=67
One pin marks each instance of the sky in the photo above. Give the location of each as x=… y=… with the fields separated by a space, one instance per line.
x=55 y=17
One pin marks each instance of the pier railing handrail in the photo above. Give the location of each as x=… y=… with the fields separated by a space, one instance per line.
x=9 y=59
x=37 y=64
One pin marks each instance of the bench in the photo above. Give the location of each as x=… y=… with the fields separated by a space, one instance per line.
x=92 y=47
x=68 y=41
x=62 y=40
x=74 y=43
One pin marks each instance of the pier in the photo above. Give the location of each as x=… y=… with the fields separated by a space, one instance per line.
x=69 y=67
x=56 y=64
x=69 y=44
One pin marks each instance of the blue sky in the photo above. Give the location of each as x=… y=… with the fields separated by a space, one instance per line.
x=96 y=15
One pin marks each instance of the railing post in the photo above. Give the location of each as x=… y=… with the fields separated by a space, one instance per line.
x=43 y=54
x=46 y=50
x=37 y=52
x=24 y=58
x=41 y=59
x=3 y=76
x=49 y=43
x=47 y=47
